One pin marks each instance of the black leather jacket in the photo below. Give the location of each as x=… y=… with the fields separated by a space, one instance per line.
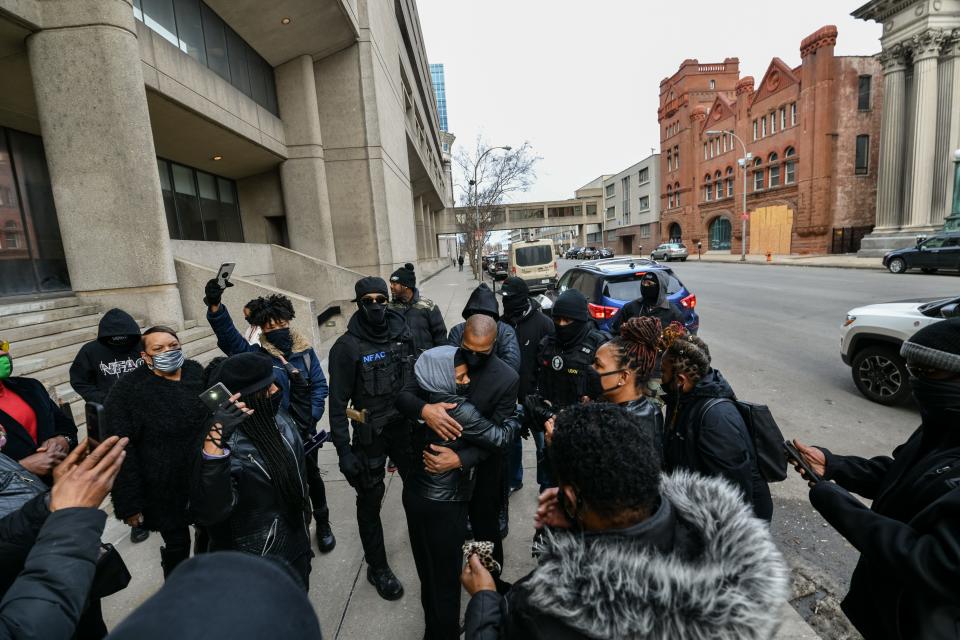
x=457 y=485
x=235 y=497
x=649 y=417
x=17 y=485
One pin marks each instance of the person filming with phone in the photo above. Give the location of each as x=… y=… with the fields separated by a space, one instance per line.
x=296 y=369
x=906 y=582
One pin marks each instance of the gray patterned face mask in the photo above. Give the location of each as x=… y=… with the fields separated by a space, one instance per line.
x=168 y=361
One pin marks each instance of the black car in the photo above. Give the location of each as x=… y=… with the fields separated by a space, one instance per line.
x=942 y=251
x=572 y=252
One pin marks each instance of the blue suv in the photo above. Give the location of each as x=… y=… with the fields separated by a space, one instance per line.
x=610 y=284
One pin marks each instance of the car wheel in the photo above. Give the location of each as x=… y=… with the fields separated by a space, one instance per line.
x=881 y=374
x=683 y=259
x=928 y=269
x=897 y=265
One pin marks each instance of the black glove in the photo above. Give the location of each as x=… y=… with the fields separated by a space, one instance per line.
x=538 y=411
x=213 y=292
x=350 y=465
x=229 y=417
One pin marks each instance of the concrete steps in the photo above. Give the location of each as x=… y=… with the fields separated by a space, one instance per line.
x=14 y=326
x=33 y=306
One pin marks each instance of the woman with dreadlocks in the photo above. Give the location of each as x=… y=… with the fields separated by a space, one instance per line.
x=251 y=490
x=704 y=430
x=625 y=365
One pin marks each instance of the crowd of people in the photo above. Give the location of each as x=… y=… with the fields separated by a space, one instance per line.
x=653 y=517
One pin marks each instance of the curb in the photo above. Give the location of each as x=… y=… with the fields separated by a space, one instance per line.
x=796 y=264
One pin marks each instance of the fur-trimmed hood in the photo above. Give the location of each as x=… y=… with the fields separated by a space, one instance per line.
x=730 y=588
x=300 y=344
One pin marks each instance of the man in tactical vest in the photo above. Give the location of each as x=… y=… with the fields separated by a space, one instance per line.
x=422 y=315
x=369 y=365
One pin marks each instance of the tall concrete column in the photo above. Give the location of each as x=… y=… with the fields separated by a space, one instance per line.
x=926 y=50
x=948 y=130
x=890 y=178
x=420 y=224
x=303 y=175
x=432 y=250
x=103 y=169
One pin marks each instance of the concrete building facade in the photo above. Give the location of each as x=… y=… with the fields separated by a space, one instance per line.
x=143 y=133
x=811 y=135
x=632 y=203
x=921 y=122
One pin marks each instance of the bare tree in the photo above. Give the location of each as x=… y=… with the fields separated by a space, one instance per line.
x=486 y=176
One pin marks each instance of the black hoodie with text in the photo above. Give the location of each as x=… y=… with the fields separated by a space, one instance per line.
x=101 y=362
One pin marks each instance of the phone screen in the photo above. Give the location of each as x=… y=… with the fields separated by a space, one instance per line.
x=224 y=273
x=215 y=396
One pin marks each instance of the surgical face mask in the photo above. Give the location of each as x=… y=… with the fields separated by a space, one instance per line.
x=374 y=310
x=474 y=359
x=6 y=366
x=937 y=398
x=281 y=339
x=168 y=361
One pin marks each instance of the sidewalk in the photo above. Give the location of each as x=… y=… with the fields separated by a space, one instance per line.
x=839 y=261
x=347 y=605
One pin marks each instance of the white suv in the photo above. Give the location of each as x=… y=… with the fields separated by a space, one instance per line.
x=871 y=338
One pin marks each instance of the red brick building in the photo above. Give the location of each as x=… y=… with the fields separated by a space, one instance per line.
x=812 y=134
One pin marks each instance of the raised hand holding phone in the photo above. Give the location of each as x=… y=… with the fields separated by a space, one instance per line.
x=809 y=462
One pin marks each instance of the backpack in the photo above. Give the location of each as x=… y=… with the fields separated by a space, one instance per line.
x=764 y=433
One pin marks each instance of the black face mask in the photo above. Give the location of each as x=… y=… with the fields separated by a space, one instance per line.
x=938 y=399
x=650 y=294
x=463 y=389
x=514 y=307
x=473 y=359
x=281 y=339
x=120 y=342
x=593 y=388
x=569 y=332
x=374 y=313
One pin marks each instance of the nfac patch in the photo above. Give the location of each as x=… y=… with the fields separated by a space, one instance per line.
x=557 y=363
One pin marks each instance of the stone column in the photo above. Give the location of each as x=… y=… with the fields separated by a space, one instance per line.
x=926 y=50
x=948 y=129
x=303 y=175
x=890 y=179
x=103 y=169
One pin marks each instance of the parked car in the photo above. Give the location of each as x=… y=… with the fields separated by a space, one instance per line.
x=610 y=284
x=670 y=251
x=871 y=339
x=603 y=252
x=587 y=253
x=942 y=251
x=572 y=252
x=534 y=262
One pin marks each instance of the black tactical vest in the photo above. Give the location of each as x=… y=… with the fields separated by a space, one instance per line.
x=382 y=371
x=563 y=373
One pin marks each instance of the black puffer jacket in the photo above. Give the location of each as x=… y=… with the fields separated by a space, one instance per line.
x=906 y=582
x=715 y=443
x=18 y=534
x=648 y=416
x=99 y=364
x=425 y=321
x=531 y=328
x=235 y=497
x=165 y=421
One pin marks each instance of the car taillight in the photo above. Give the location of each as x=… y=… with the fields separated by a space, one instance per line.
x=600 y=312
x=513 y=270
x=690 y=302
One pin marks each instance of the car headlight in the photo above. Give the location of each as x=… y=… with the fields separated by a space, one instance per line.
x=850 y=320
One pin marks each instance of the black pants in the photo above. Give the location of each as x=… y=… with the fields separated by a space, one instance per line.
x=437 y=531
x=393 y=442
x=91 y=626
x=486 y=503
x=175 y=549
x=318 y=492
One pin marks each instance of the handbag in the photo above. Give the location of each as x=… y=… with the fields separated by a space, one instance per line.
x=111 y=575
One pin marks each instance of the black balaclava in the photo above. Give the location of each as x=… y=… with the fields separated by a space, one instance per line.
x=374 y=316
x=572 y=305
x=650 y=294
x=936 y=346
x=516 y=299
x=281 y=339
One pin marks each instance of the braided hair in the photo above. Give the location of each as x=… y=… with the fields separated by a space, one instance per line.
x=261 y=428
x=690 y=356
x=636 y=347
x=273 y=308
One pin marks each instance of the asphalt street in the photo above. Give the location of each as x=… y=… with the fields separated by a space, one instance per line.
x=774 y=332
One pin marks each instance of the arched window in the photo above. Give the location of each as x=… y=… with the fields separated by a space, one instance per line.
x=729 y=182
x=774 y=171
x=790 y=168
x=676 y=193
x=676 y=235
x=720 y=234
x=669 y=161
x=772 y=157
x=718 y=184
x=757 y=175
x=707 y=188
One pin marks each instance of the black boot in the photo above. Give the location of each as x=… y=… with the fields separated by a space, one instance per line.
x=325 y=538
x=386 y=584
x=170 y=559
x=138 y=534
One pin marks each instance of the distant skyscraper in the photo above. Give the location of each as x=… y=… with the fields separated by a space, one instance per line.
x=439 y=88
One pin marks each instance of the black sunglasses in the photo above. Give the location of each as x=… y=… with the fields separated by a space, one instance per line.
x=377 y=300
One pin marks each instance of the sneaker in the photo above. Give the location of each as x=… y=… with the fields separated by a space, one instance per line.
x=325 y=538
x=386 y=584
x=515 y=487
x=138 y=534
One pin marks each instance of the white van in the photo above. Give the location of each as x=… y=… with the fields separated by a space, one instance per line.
x=534 y=261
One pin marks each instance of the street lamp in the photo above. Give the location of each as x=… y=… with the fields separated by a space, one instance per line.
x=743 y=218
x=952 y=223
x=476 y=203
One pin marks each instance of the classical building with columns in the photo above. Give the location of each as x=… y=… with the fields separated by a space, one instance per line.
x=921 y=118
x=143 y=140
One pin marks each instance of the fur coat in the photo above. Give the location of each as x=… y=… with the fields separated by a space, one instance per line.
x=723 y=579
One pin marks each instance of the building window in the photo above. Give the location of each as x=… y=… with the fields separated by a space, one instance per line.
x=625 y=195
x=754 y=129
x=707 y=188
x=773 y=123
x=644 y=203
x=713 y=85
x=729 y=182
x=718 y=182
x=774 y=176
x=644 y=231
x=199 y=205
x=783 y=118
x=863 y=93
x=669 y=198
x=863 y=156
x=610 y=190
x=757 y=175
x=11 y=235
x=676 y=157
x=790 y=167
x=704 y=150
x=793 y=114
x=643 y=175
x=763 y=127
x=611 y=213
x=676 y=192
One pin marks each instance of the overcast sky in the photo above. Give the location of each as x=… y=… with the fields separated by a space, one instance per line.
x=580 y=80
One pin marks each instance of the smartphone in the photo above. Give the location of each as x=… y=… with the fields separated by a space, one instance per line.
x=794 y=455
x=315 y=442
x=95 y=418
x=215 y=396
x=224 y=273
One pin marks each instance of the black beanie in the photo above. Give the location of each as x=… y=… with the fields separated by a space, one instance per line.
x=405 y=276
x=514 y=286
x=936 y=346
x=370 y=284
x=245 y=373
x=571 y=304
